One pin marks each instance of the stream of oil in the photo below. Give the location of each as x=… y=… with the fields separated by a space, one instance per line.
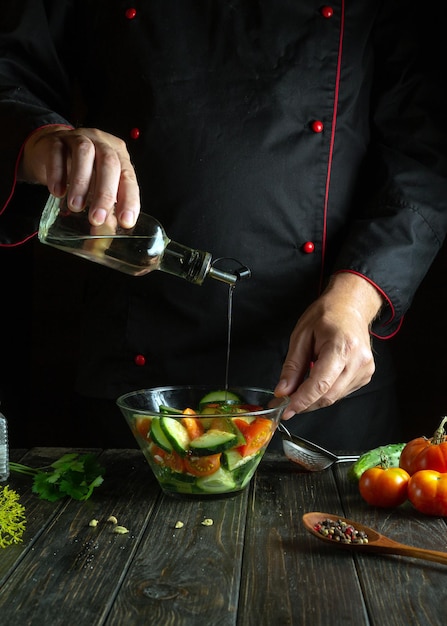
x=230 y=322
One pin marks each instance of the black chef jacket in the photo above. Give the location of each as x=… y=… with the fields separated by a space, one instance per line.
x=292 y=136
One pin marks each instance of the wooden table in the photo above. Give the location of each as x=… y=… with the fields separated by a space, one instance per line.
x=255 y=565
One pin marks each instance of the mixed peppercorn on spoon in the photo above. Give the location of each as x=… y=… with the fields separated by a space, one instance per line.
x=346 y=533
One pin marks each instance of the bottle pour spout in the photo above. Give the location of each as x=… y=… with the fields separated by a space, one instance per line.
x=229 y=277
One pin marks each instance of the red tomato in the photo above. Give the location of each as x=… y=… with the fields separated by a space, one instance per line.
x=143 y=426
x=257 y=433
x=426 y=454
x=411 y=451
x=384 y=487
x=202 y=465
x=427 y=491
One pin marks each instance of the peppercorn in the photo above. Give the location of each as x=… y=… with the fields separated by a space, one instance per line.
x=340 y=531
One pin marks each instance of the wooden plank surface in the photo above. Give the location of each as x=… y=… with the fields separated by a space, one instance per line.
x=287 y=577
x=190 y=575
x=38 y=513
x=400 y=590
x=255 y=564
x=72 y=574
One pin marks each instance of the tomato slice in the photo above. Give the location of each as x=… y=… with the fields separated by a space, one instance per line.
x=143 y=426
x=174 y=461
x=256 y=434
x=169 y=459
x=193 y=426
x=189 y=411
x=202 y=465
x=250 y=408
x=242 y=425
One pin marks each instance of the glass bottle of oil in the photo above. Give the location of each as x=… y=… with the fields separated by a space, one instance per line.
x=135 y=251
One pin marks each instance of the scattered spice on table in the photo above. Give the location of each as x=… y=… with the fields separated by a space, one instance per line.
x=339 y=530
x=12 y=517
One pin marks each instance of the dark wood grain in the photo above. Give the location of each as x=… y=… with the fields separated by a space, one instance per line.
x=38 y=513
x=189 y=575
x=287 y=576
x=75 y=563
x=255 y=565
x=399 y=590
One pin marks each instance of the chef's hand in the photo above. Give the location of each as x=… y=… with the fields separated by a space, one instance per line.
x=91 y=166
x=333 y=334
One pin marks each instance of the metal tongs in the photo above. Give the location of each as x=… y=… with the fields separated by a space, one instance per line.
x=310 y=456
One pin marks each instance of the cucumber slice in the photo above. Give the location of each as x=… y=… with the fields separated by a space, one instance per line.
x=158 y=436
x=232 y=459
x=219 y=482
x=227 y=425
x=176 y=434
x=212 y=442
x=169 y=410
x=221 y=396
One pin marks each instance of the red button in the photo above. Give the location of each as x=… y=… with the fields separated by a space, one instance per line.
x=135 y=133
x=140 y=360
x=327 y=11
x=130 y=13
x=317 y=126
x=308 y=247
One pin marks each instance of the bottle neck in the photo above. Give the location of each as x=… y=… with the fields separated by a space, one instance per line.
x=195 y=265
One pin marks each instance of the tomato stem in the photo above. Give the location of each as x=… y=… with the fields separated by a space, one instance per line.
x=384 y=460
x=439 y=434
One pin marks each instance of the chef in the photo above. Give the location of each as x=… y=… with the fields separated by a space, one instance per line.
x=295 y=137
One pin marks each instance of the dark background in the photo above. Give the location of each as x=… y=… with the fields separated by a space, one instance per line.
x=40 y=300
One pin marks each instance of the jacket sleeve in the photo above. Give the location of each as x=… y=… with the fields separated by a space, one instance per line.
x=33 y=36
x=402 y=195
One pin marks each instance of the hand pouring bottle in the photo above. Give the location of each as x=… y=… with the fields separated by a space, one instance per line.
x=135 y=251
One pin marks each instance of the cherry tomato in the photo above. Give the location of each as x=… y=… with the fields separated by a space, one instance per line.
x=257 y=434
x=427 y=491
x=426 y=454
x=202 y=465
x=384 y=487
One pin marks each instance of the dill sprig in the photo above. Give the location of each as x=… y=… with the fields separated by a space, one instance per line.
x=12 y=517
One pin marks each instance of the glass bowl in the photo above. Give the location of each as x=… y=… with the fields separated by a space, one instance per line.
x=199 y=441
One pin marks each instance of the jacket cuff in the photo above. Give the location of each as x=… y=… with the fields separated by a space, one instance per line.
x=386 y=324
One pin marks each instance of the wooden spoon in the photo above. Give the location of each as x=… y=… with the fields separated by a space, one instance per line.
x=376 y=541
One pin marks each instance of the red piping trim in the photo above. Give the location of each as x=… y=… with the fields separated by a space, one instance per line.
x=18 y=243
x=14 y=184
x=332 y=141
x=385 y=297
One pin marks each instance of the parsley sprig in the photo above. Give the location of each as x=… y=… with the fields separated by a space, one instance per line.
x=72 y=475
